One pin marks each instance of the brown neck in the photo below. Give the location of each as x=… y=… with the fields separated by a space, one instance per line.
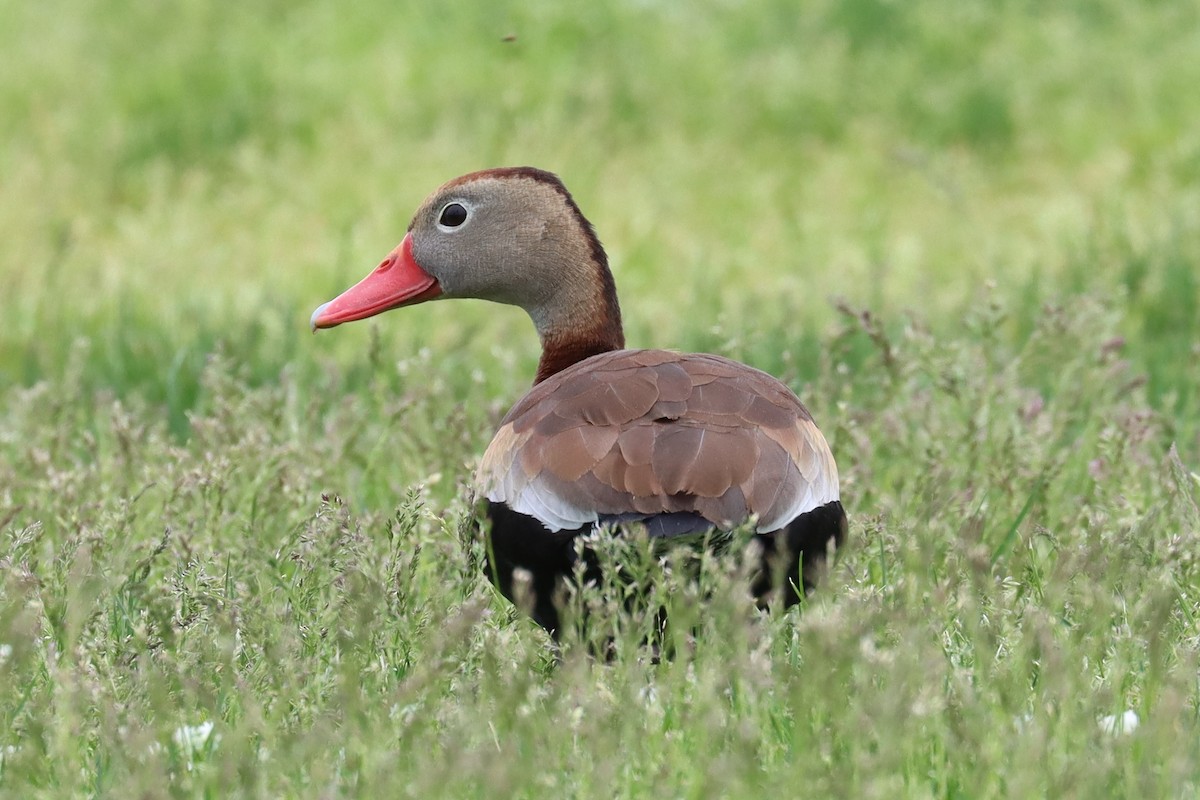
x=583 y=319
x=563 y=350
x=582 y=323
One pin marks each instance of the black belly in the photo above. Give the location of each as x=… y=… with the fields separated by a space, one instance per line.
x=793 y=555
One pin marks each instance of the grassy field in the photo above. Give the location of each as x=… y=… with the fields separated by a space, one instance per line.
x=238 y=560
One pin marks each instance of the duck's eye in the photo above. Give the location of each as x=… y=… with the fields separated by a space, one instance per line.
x=453 y=215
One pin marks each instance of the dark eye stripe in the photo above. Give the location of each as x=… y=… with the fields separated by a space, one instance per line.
x=453 y=215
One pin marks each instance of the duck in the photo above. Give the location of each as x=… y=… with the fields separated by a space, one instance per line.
x=682 y=446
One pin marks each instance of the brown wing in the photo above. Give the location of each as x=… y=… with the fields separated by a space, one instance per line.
x=651 y=431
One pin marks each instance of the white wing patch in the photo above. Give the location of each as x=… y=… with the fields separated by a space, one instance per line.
x=819 y=481
x=507 y=483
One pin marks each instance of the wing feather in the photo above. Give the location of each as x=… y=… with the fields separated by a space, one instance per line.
x=652 y=431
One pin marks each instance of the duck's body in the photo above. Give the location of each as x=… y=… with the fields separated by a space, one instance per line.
x=683 y=444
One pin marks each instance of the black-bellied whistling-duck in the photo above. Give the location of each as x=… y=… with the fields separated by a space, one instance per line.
x=682 y=443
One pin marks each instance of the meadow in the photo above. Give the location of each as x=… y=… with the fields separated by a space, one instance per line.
x=238 y=560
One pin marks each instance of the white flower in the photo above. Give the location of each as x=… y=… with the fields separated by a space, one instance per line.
x=1124 y=724
x=6 y=752
x=193 y=740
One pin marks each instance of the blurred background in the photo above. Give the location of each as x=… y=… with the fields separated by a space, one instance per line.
x=184 y=176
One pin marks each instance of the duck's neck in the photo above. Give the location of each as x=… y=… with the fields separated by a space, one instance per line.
x=560 y=353
x=581 y=320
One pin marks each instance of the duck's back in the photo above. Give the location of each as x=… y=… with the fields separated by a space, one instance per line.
x=638 y=434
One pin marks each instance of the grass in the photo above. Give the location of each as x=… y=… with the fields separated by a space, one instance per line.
x=238 y=560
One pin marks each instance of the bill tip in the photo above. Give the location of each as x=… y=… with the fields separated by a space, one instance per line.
x=316 y=315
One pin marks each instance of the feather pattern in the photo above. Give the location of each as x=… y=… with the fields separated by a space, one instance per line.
x=658 y=432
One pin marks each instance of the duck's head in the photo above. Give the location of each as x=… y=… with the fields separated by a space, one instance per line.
x=511 y=235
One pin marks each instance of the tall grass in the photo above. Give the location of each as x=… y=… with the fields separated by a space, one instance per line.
x=238 y=560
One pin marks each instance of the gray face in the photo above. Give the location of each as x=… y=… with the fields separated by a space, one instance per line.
x=514 y=241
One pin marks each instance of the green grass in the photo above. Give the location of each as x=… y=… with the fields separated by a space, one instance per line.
x=967 y=234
